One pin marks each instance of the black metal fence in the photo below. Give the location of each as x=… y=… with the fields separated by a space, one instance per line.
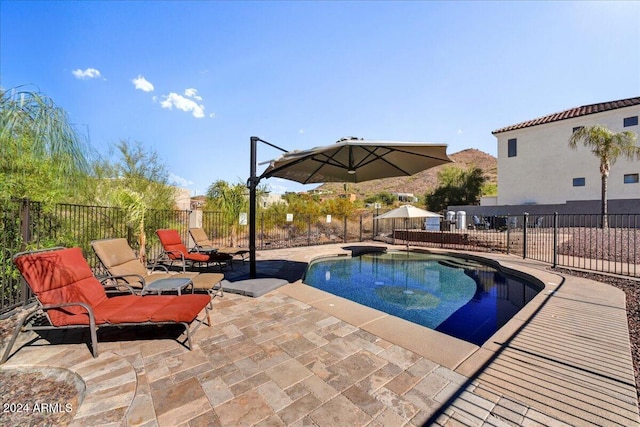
x=31 y=225
x=576 y=241
x=567 y=240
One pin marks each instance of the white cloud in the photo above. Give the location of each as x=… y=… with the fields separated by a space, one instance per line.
x=190 y=102
x=89 y=73
x=179 y=181
x=459 y=131
x=142 y=84
x=192 y=93
x=182 y=103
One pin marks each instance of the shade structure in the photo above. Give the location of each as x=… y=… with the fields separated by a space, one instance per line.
x=348 y=160
x=357 y=160
x=408 y=211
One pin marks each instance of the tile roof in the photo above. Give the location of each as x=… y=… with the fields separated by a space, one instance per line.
x=573 y=112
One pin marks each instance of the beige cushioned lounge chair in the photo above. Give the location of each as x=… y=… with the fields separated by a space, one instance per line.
x=119 y=259
x=204 y=244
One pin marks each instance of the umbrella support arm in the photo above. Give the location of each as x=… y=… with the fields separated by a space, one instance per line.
x=252 y=184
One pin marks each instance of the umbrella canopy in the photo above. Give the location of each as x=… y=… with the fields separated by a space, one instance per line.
x=356 y=160
x=408 y=211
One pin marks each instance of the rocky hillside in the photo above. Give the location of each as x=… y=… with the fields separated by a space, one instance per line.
x=420 y=183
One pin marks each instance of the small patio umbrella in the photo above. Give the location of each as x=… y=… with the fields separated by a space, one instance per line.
x=357 y=160
x=406 y=212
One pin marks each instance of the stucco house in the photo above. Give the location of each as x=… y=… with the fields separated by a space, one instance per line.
x=537 y=167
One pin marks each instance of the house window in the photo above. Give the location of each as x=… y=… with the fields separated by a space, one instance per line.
x=512 y=147
x=631 y=178
x=630 y=121
x=578 y=182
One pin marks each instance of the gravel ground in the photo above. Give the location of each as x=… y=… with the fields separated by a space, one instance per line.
x=610 y=244
x=32 y=399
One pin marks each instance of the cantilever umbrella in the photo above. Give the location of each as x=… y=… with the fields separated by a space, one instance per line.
x=357 y=160
x=348 y=160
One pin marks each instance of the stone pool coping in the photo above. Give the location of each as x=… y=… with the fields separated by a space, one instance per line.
x=443 y=349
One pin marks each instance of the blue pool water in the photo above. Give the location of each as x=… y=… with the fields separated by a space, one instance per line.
x=455 y=296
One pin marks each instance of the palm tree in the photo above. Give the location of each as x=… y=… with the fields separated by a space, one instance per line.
x=607 y=146
x=135 y=211
x=231 y=200
x=35 y=118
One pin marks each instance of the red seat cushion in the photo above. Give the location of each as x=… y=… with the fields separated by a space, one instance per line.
x=183 y=308
x=61 y=276
x=172 y=244
x=151 y=308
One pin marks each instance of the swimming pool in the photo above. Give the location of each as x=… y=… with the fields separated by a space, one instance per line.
x=456 y=296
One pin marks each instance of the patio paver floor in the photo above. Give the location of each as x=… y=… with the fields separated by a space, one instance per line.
x=281 y=359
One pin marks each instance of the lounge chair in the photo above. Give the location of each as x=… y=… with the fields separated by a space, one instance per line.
x=204 y=244
x=175 y=250
x=121 y=262
x=70 y=296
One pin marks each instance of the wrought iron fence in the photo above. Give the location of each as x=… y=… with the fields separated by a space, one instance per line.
x=30 y=225
x=275 y=231
x=569 y=240
x=575 y=241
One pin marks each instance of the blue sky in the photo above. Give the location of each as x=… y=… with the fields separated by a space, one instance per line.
x=195 y=80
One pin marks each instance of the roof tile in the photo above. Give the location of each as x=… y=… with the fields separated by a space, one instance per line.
x=573 y=112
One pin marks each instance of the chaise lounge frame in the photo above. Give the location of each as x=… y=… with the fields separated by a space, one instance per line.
x=201 y=301
x=175 y=250
x=204 y=244
x=118 y=258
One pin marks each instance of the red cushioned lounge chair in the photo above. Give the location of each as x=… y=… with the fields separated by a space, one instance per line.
x=70 y=296
x=175 y=250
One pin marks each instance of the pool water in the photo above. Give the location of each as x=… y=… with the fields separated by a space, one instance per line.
x=455 y=296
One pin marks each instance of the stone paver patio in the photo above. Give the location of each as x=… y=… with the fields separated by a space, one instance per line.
x=298 y=356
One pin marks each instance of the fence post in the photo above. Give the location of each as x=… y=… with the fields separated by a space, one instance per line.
x=508 y=226
x=555 y=239
x=393 y=231
x=262 y=231
x=525 y=221
x=360 y=228
x=25 y=219
x=345 y=229
x=376 y=223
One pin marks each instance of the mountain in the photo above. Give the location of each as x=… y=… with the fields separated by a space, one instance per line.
x=421 y=182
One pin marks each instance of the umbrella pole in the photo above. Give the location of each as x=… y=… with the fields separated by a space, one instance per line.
x=406 y=227
x=253 y=183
